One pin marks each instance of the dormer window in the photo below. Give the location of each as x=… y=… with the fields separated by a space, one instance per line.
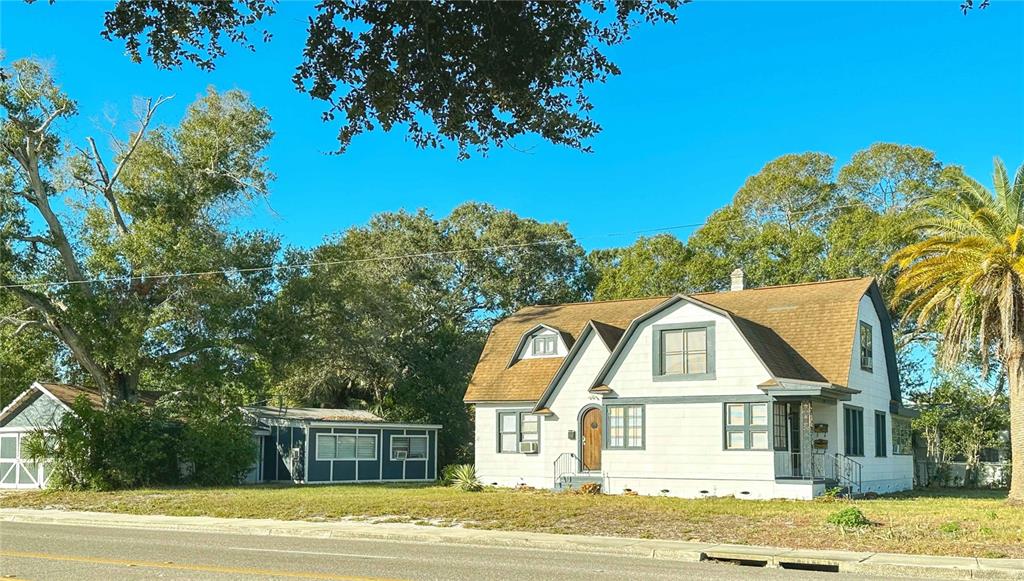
x=866 y=351
x=684 y=351
x=544 y=345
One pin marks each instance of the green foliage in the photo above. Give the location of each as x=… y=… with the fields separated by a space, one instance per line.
x=959 y=417
x=402 y=337
x=796 y=220
x=967 y=272
x=160 y=202
x=650 y=267
x=830 y=494
x=132 y=445
x=26 y=355
x=215 y=444
x=463 y=477
x=183 y=31
x=126 y=447
x=850 y=517
x=951 y=527
x=498 y=70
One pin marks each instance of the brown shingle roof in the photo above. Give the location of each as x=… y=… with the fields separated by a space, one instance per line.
x=802 y=331
x=67 y=394
x=525 y=380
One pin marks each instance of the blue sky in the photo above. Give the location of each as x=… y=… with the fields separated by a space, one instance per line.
x=700 y=106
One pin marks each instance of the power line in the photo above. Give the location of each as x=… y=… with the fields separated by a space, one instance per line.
x=148 y=277
x=327 y=263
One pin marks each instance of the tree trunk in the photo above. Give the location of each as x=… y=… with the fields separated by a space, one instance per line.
x=124 y=388
x=1015 y=380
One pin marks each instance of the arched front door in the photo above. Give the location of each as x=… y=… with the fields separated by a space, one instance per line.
x=591 y=446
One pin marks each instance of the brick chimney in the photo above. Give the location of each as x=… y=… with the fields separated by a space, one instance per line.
x=737 y=280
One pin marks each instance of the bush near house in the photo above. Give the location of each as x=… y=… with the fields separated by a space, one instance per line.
x=131 y=445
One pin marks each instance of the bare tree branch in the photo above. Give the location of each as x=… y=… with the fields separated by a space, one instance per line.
x=109 y=180
x=49 y=120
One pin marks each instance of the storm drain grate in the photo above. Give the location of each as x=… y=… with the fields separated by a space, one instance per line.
x=741 y=562
x=822 y=567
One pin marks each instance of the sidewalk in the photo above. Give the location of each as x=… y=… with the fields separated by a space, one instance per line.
x=846 y=561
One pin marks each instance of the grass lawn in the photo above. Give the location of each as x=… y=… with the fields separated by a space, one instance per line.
x=961 y=522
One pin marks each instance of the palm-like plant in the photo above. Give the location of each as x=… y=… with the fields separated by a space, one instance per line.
x=967 y=275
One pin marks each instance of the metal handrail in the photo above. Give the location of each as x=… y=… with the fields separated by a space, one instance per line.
x=849 y=471
x=839 y=467
x=566 y=463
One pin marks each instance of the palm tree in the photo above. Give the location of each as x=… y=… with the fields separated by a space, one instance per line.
x=967 y=276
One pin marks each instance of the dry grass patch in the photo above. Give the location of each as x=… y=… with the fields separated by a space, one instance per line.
x=968 y=523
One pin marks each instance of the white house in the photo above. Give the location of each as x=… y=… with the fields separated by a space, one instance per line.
x=777 y=392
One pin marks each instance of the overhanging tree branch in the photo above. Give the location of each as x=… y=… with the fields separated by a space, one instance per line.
x=54 y=322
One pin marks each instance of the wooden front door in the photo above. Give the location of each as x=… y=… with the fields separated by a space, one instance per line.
x=591 y=430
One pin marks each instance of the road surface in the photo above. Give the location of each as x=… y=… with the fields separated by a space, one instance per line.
x=45 y=552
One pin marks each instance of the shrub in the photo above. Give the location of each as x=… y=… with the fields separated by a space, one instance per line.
x=463 y=477
x=216 y=449
x=126 y=447
x=132 y=445
x=850 y=517
x=830 y=494
x=447 y=474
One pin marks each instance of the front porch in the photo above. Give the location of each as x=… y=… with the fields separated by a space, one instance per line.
x=806 y=444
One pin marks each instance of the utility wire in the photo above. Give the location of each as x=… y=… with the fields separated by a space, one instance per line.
x=283 y=266
x=327 y=263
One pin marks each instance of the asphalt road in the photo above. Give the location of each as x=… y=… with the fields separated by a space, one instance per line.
x=44 y=552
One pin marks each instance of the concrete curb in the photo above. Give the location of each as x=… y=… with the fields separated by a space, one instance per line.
x=890 y=564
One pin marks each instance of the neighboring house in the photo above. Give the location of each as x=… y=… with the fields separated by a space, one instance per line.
x=39 y=407
x=323 y=446
x=301 y=445
x=777 y=392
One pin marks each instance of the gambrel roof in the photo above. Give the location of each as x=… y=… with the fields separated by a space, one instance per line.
x=801 y=332
x=498 y=378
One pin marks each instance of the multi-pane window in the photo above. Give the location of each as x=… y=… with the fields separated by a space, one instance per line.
x=408 y=447
x=508 y=435
x=625 y=426
x=346 y=447
x=684 y=351
x=516 y=429
x=866 y=351
x=881 y=443
x=902 y=442
x=746 y=426
x=853 y=431
x=545 y=345
x=780 y=433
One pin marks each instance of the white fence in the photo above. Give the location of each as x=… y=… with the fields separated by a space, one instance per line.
x=954 y=474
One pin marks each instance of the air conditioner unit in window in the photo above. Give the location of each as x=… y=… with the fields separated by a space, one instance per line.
x=401 y=454
x=528 y=447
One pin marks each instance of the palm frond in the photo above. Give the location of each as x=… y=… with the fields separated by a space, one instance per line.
x=967 y=273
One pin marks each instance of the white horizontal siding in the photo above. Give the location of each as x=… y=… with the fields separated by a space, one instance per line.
x=683 y=452
x=890 y=473
x=737 y=368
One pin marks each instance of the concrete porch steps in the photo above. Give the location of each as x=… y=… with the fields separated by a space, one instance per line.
x=574 y=481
